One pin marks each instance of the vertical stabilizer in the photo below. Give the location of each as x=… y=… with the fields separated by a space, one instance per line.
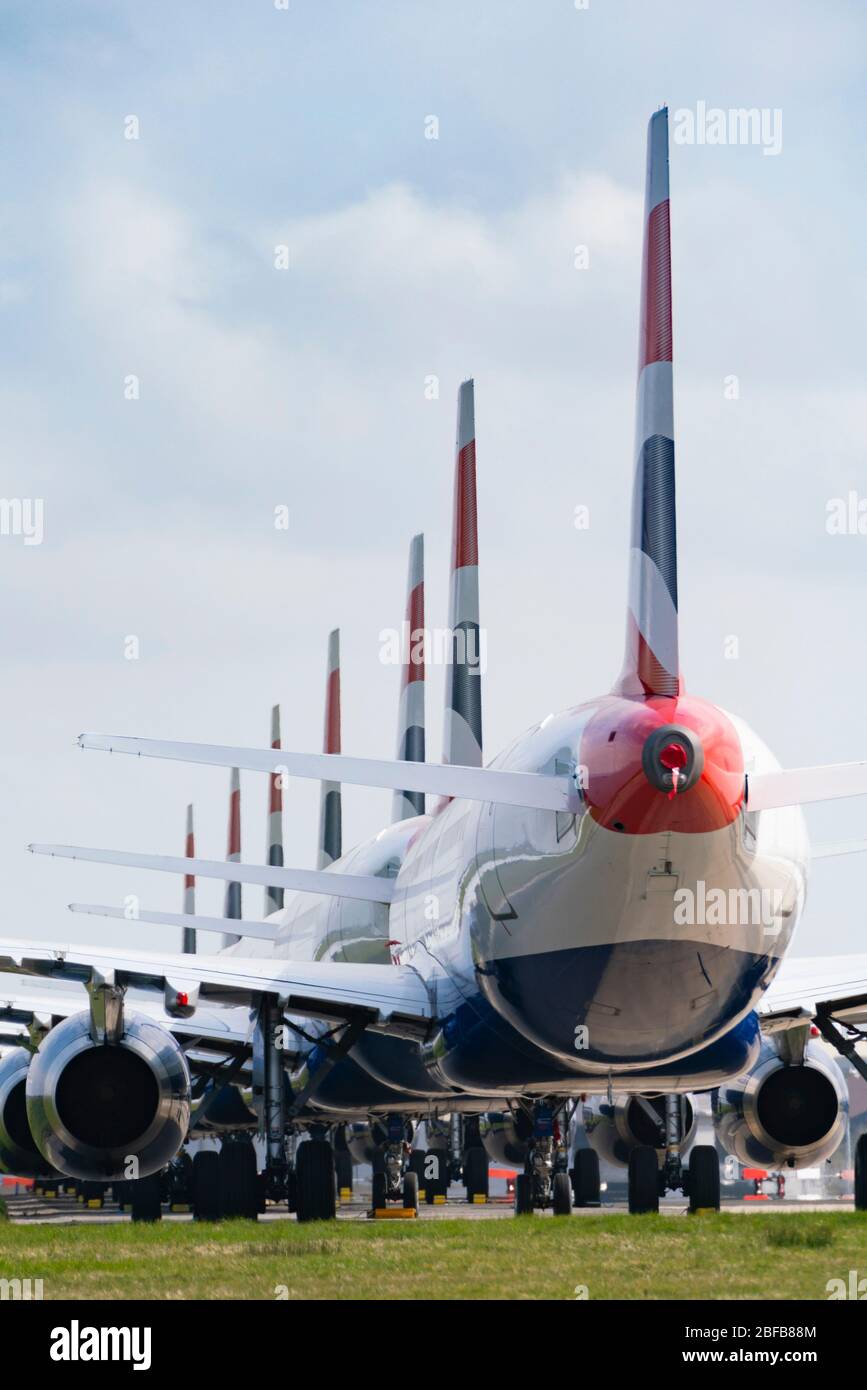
x=652 y=665
x=462 y=736
x=410 y=721
x=274 y=896
x=188 y=944
x=330 y=809
x=233 y=905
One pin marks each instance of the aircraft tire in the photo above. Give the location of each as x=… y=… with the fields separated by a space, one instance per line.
x=476 y=1173
x=239 y=1179
x=561 y=1195
x=523 y=1195
x=315 y=1197
x=643 y=1180
x=410 y=1191
x=144 y=1195
x=703 y=1178
x=585 y=1178
x=380 y=1191
x=861 y=1174
x=206 y=1186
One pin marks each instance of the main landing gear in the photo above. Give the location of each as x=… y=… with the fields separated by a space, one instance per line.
x=648 y=1181
x=545 y=1181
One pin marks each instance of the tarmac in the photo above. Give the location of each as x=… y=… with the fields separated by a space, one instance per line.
x=25 y=1209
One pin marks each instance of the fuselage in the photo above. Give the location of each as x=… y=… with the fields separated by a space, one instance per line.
x=625 y=942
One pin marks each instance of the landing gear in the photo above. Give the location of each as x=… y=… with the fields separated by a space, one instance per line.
x=393 y=1166
x=586 y=1190
x=238 y=1178
x=207 y=1196
x=702 y=1179
x=643 y=1180
x=476 y=1178
x=314 y=1181
x=410 y=1192
x=145 y=1197
x=861 y=1174
x=546 y=1177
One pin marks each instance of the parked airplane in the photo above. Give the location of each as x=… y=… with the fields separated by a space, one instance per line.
x=603 y=911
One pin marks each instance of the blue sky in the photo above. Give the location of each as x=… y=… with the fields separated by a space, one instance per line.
x=408 y=258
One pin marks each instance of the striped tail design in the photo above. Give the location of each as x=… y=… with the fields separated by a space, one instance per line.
x=233 y=907
x=652 y=665
x=189 y=938
x=462 y=738
x=274 y=896
x=410 y=725
x=330 y=809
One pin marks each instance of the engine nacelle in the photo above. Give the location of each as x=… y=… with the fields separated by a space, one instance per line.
x=94 y=1106
x=782 y=1115
x=18 y=1152
x=615 y=1129
x=505 y=1136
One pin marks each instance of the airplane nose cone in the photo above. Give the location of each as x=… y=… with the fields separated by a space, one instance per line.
x=672 y=758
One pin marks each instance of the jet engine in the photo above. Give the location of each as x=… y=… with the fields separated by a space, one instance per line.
x=784 y=1114
x=615 y=1129
x=92 y=1106
x=505 y=1136
x=18 y=1152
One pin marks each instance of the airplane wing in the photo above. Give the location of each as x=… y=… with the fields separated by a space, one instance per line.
x=805 y=990
x=797 y=786
x=387 y=998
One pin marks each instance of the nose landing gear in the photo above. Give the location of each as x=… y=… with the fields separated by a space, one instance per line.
x=545 y=1181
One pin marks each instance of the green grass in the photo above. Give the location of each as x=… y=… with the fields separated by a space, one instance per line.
x=774 y=1256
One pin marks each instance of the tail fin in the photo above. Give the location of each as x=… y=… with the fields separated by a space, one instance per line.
x=233 y=906
x=188 y=946
x=273 y=895
x=410 y=723
x=330 y=809
x=652 y=665
x=462 y=739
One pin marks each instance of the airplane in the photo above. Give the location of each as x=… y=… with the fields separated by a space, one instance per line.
x=599 y=917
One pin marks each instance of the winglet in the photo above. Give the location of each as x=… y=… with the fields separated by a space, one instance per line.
x=273 y=894
x=330 y=803
x=462 y=739
x=411 y=718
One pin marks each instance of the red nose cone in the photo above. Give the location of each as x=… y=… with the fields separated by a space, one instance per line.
x=674 y=755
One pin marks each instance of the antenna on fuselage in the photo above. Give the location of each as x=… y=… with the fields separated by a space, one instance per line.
x=330 y=802
x=411 y=716
x=652 y=665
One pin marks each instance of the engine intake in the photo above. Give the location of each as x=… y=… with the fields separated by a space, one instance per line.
x=784 y=1115
x=18 y=1152
x=92 y=1106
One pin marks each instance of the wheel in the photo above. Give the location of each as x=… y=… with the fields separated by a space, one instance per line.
x=239 y=1186
x=476 y=1173
x=434 y=1175
x=144 y=1198
x=703 y=1178
x=861 y=1174
x=585 y=1178
x=207 y=1205
x=643 y=1180
x=561 y=1195
x=410 y=1191
x=315 y=1198
x=523 y=1195
x=380 y=1191
x=416 y=1165
x=343 y=1168
x=292 y=1190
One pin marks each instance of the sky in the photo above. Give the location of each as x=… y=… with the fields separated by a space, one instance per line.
x=165 y=385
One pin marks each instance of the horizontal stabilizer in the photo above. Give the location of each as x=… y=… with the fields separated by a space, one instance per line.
x=368 y=888
x=531 y=789
x=800 y=785
x=264 y=931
